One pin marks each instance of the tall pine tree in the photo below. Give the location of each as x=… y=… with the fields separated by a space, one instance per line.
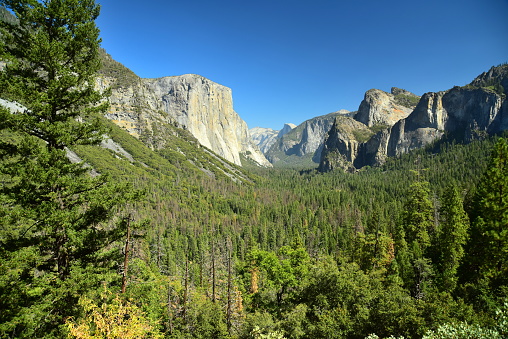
x=55 y=216
x=418 y=228
x=487 y=260
x=452 y=237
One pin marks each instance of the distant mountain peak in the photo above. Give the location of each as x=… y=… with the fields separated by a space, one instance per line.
x=286 y=129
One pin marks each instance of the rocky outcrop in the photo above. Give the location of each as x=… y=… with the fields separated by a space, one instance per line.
x=393 y=141
x=462 y=113
x=381 y=108
x=340 y=148
x=136 y=109
x=496 y=79
x=264 y=138
x=305 y=140
x=205 y=108
x=459 y=112
x=286 y=129
x=144 y=107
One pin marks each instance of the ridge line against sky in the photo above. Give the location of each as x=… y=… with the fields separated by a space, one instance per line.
x=289 y=61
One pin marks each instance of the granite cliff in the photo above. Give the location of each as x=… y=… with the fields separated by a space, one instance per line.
x=461 y=113
x=382 y=108
x=144 y=107
x=340 y=147
x=264 y=138
x=302 y=144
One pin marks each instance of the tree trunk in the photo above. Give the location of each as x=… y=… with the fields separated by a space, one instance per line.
x=126 y=258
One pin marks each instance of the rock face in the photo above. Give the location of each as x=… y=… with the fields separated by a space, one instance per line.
x=305 y=140
x=11 y=106
x=495 y=79
x=135 y=109
x=264 y=138
x=381 y=108
x=340 y=148
x=144 y=106
x=205 y=108
x=463 y=113
x=286 y=129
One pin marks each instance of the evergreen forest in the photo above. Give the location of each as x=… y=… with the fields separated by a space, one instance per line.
x=176 y=243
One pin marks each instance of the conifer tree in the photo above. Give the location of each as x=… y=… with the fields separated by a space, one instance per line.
x=453 y=235
x=418 y=217
x=418 y=223
x=488 y=249
x=56 y=216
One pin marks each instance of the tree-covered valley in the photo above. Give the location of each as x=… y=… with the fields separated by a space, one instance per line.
x=104 y=235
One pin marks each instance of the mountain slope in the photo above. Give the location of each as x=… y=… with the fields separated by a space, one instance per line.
x=304 y=144
x=120 y=150
x=124 y=156
x=145 y=106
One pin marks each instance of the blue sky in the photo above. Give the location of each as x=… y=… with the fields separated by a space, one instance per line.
x=291 y=60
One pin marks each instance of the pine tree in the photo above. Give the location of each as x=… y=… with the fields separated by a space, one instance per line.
x=488 y=249
x=418 y=217
x=56 y=231
x=419 y=226
x=453 y=235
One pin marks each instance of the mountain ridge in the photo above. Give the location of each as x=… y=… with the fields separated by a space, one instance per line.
x=304 y=143
x=462 y=113
x=145 y=106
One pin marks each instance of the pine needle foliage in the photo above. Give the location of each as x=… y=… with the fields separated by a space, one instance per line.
x=56 y=232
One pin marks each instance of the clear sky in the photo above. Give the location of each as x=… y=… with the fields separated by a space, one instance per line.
x=291 y=60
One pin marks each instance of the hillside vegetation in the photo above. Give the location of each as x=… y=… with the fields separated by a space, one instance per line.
x=113 y=69
x=286 y=253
